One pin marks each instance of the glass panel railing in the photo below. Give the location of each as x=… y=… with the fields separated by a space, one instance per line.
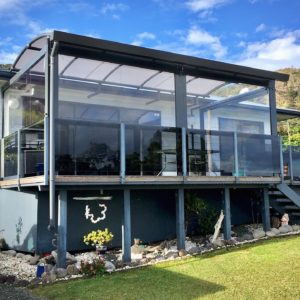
x=296 y=162
x=32 y=150
x=87 y=148
x=258 y=155
x=153 y=150
x=11 y=155
x=210 y=153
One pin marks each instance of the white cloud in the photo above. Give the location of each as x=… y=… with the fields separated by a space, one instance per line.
x=204 y=5
x=113 y=9
x=201 y=38
x=141 y=37
x=8 y=57
x=274 y=54
x=260 y=27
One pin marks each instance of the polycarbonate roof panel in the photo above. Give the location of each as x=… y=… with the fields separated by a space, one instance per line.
x=102 y=70
x=27 y=55
x=39 y=67
x=162 y=81
x=202 y=86
x=40 y=42
x=128 y=75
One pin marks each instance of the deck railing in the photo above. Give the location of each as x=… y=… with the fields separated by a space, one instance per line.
x=291 y=162
x=89 y=148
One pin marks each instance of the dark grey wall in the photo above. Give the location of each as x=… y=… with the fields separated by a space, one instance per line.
x=19 y=210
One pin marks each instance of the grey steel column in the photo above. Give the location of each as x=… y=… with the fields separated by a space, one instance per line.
x=19 y=161
x=62 y=229
x=122 y=153
x=180 y=101
x=272 y=102
x=236 y=154
x=126 y=228
x=180 y=219
x=227 y=214
x=281 y=159
x=266 y=210
x=184 y=152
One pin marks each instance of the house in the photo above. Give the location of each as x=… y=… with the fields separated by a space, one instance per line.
x=100 y=134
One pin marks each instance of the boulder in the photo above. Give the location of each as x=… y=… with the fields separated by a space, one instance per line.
x=34 y=260
x=109 y=267
x=171 y=254
x=49 y=259
x=296 y=227
x=258 y=233
x=61 y=272
x=72 y=270
x=194 y=250
x=275 y=230
x=182 y=253
x=218 y=242
x=246 y=237
x=136 y=256
x=10 y=252
x=285 y=228
x=135 y=249
x=270 y=233
x=3 y=245
x=20 y=255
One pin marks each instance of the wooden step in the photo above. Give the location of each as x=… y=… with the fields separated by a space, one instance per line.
x=291 y=207
x=283 y=200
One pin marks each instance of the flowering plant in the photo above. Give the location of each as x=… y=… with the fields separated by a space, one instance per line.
x=98 y=237
x=95 y=266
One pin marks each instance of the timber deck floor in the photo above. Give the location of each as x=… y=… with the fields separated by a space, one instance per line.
x=92 y=180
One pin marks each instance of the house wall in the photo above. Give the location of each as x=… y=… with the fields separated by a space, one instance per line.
x=18 y=219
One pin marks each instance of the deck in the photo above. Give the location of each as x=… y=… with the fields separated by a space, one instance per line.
x=138 y=181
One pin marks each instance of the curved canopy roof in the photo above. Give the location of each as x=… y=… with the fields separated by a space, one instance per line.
x=30 y=51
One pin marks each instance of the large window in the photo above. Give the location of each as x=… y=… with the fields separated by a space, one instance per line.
x=94 y=98
x=24 y=100
x=211 y=101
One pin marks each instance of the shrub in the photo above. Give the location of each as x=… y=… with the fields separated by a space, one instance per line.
x=92 y=267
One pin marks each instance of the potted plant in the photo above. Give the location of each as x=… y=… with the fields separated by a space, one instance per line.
x=98 y=238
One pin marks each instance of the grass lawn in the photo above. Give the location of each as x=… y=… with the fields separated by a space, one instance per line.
x=265 y=270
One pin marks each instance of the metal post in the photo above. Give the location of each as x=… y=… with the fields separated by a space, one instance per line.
x=180 y=219
x=126 y=228
x=180 y=101
x=236 y=154
x=291 y=163
x=272 y=103
x=52 y=116
x=19 y=161
x=266 y=210
x=227 y=214
x=184 y=152
x=62 y=229
x=281 y=159
x=46 y=150
x=122 y=153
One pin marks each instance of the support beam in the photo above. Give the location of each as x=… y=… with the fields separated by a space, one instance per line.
x=180 y=101
x=126 y=228
x=122 y=153
x=227 y=214
x=236 y=154
x=184 y=152
x=272 y=103
x=180 y=219
x=266 y=210
x=62 y=229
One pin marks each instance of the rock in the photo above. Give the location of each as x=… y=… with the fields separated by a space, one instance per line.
x=194 y=250
x=10 y=252
x=218 y=242
x=49 y=260
x=296 y=227
x=72 y=270
x=34 y=282
x=20 y=255
x=258 y=233
x=285 y=228
x=48 y=267
x=275 y=230
x=54 y=254
x=152 y=255
x=34 y=260
x=285 y=219
x=136 y=256
x=275 y=222
x=171 y=254
x=182 y=253
x=230 y=242
x=109 y=266
x=45 y=277
x=60 y=272
x=10 y=279
x=135 y=249
x=52 y=276
x=3 y=245
x=189 y=245
x=270 y=233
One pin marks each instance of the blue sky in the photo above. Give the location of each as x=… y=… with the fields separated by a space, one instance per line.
x=258 y=33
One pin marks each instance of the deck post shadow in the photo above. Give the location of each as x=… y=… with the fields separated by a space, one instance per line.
x=227 y=214
x=126 y=228
x=62 y=229
x=180 y=219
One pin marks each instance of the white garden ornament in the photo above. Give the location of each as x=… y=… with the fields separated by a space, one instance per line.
x=89 y=215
